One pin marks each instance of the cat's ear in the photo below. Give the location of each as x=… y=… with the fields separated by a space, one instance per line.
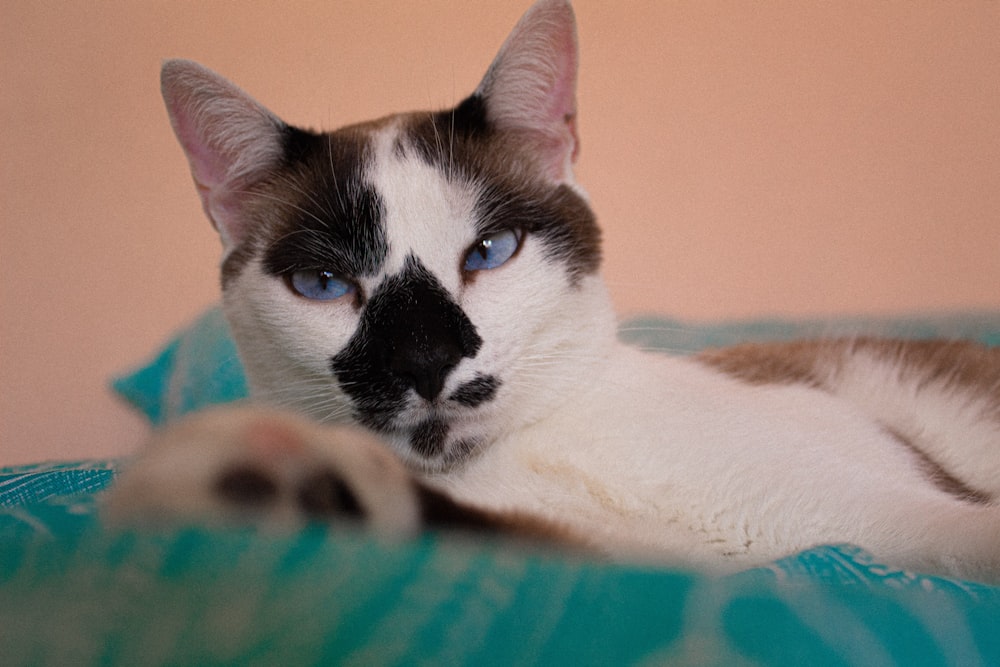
x=231 y=141
x=531 y=85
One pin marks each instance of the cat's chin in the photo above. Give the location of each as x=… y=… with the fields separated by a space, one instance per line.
x=436 y=445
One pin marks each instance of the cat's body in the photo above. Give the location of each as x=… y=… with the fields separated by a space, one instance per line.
x=433 y=278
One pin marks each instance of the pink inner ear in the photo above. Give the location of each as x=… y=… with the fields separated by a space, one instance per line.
x=210 y=171
x=564 y=91
x=531 y=85
x=207 y=167
x=230 y=141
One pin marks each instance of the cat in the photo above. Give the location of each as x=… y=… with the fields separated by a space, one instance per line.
x=418 y=306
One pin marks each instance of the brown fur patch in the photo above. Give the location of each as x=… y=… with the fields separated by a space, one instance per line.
x=772 y=363
x=961 y=364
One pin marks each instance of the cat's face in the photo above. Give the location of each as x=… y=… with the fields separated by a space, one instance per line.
x=432 y=276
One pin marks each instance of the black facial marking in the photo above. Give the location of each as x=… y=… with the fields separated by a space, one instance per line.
x=324 y=494
x=245 y=485
x=443 y=138
x=477 y=391
x=429 y=438
x=411 y=335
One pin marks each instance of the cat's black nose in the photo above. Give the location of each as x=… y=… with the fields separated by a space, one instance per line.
x=426 y=347
x=425 y=368
x=412 y=336
x=426 y=342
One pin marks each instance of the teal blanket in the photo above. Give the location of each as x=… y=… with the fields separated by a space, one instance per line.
x=72 y=592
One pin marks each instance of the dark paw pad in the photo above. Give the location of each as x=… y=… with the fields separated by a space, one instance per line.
x=318 y=495
x=324 y=494
x=244 y=485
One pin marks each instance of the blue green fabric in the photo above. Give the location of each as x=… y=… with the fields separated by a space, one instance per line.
x=75 y=592
x=655 y=332
x=199 y=367
x=32 y=484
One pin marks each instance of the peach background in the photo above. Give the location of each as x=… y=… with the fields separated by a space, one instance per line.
x=745 y=159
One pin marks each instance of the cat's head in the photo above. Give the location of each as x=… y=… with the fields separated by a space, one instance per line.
x=432 y=276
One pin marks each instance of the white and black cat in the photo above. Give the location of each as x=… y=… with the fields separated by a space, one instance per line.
x=427 y=284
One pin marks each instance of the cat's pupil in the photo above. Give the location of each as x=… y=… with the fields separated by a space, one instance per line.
x=319 y=285
x=493 y=251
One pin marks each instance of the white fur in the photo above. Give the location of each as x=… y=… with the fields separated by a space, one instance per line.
x=956 y=429
x=660 y=456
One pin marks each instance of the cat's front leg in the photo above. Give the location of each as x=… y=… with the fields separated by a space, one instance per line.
x=252 y=465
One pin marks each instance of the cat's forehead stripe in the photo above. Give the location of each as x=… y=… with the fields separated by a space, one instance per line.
x=427 y=213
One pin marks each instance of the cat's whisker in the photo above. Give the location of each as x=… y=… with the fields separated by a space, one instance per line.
x=320 y=406
x=451 y=146
x=439 y=147
x=333 y=173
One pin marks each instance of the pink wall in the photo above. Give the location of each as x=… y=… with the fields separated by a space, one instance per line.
x=745 y=158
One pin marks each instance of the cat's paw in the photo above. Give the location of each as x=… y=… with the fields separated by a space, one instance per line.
x=242 y=465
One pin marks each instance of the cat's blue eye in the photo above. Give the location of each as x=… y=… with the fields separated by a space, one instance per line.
x=320 y=285
x=493 y=250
